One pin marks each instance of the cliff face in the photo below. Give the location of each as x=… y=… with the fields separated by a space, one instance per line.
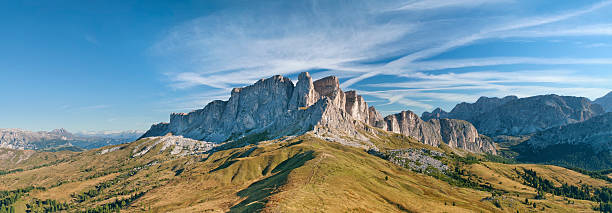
x=277 y=107
x=514 y=116
x=455 y=133
x=436 y=114
x=471 y=111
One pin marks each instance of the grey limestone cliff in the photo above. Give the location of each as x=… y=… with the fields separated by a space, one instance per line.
x=455 y=133
x=437 y=113
x=277 y=107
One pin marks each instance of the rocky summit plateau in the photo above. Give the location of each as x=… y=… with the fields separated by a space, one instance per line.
x=276 y=107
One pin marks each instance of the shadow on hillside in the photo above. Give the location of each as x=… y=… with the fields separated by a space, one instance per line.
x=257 y=193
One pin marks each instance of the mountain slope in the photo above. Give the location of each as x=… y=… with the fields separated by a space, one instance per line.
x=605 y=102
x=274 y=108
x=586 y=144
x=297 y=174
x=520 y=116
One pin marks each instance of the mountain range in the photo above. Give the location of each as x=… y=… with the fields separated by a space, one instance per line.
x=562 y=130
x=519 y=116
x=62 y=139
x=275 y=107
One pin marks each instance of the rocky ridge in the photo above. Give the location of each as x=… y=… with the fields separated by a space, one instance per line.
x=595 y=132
x=586 y=144
x=519 y=116
x=437 y=113
x=276 y=107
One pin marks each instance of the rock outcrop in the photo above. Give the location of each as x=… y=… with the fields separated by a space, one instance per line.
x=514 y=116
x=276 y=107
x=176 y=144
x=605 y=102
x=455 y=133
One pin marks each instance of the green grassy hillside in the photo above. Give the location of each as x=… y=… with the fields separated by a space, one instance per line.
x=302 y=174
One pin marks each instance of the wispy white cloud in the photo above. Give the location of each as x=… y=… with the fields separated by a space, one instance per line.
x=436 y=4
x=494 y=61
x=459 y=87
x=230 y=48
x=398 y=65
x=583 y=30
x=399 y=98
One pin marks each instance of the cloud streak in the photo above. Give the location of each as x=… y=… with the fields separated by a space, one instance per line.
x=436 y=4
x=236 y=47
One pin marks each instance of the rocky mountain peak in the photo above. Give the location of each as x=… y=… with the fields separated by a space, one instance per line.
x=61 y=132
x=516 y=116
x=327 y=86
x=437 y=113
x=275 y=107
x=304 y=93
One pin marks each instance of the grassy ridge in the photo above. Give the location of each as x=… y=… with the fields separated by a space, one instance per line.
x=300 y=174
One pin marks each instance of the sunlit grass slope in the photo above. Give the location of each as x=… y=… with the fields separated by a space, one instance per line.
x=301 y=174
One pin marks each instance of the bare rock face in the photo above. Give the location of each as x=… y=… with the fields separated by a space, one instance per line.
x=462 y=134
x=176 y=144
x=304 y=94
x=409 y=124
x=455 y=133
x=357 y=107
x=470 y=111
x=518 y=116
x=329 y=87
x=376 y=119
x=436 y=114
x=532 y=114
x=276 y=107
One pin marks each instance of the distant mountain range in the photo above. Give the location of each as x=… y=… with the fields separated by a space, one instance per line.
x=62 y=139
x=519 y=116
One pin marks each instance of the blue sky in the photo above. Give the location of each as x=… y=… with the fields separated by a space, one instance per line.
x=117 y=65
